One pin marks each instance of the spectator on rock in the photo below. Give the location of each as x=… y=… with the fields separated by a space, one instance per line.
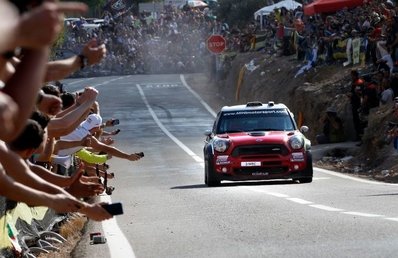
x=355 y=96
x=387 y=94
x=333 y=128
x=369 y=97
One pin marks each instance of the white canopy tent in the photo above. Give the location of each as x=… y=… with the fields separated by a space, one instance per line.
x=288 y=4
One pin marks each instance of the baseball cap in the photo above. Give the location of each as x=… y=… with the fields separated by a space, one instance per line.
x=92 y=121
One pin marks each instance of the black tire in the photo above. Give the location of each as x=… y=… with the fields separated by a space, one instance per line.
x=307 y=174
x=305 y=180
x=210 y=177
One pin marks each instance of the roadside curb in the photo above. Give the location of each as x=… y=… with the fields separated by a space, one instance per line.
x=321 y=150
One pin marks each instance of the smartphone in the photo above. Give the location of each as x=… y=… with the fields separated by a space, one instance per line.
x=113 y=208
x=117 y=131
x=115 y=122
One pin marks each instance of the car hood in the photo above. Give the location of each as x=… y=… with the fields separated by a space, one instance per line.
x=258 y=137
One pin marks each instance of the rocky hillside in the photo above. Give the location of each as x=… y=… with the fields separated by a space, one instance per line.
x=308 y=96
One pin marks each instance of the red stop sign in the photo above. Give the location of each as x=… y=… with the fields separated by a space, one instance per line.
x=216 y=44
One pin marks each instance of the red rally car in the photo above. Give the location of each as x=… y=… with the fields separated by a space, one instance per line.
x=256 y=141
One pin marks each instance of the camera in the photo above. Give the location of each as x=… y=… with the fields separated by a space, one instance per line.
x=141 y=154
x=109 y=190
x=113 y=208
x=115 y=121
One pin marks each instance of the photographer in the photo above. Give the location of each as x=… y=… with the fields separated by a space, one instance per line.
x=333 y=129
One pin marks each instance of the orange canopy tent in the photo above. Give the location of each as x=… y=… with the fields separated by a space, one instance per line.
x=329 y=6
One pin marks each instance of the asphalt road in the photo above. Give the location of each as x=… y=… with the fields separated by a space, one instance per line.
x=169 y=212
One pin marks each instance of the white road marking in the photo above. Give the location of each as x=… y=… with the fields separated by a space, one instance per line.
x=78 y=81
x=362 y=214
x=320 y=178
x=300 y=201
x=392 y=219
x=211 y=111
x=277 y=194
x=163 y=128
x=117 y=242
x=109 y=81
x=120 y=246
x=324 y=207
x=350 y=177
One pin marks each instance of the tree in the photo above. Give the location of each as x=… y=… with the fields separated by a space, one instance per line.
x=95 y=7
x=237 y=12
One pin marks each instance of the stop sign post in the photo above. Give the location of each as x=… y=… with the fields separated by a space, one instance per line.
x=216 y=44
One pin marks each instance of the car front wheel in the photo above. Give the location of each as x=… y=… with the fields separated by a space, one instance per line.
x=305 y=180
x=307 y=174
x=210 y=176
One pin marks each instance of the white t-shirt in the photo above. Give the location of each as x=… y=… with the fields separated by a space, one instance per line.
x=78 y=134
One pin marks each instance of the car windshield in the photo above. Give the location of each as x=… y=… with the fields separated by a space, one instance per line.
x=255 y=120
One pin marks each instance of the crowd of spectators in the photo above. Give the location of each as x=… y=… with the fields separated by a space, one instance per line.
x=173 y=42
x=53 y=144
x=364 y=38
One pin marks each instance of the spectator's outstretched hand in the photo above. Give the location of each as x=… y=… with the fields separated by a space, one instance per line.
x=40 y=26
x=134 y=157
x=94 y=52
x=80 y=189
x=107 y=140
x=64 y=203
x=96 y=212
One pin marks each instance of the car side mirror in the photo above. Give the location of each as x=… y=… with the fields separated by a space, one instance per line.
x=207 y=133
x=304 y=129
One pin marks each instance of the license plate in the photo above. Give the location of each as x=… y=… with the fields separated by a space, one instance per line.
x=260 y=174
x=251 y=164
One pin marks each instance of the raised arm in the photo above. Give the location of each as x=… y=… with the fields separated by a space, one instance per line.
x=110 y=150
x=90 y=55
x=60 y=126
x=24 y=85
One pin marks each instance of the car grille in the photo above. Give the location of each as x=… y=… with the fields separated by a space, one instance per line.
x=269 y=170
x=268 y=149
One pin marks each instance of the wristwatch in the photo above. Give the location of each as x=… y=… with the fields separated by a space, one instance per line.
x=83 y=61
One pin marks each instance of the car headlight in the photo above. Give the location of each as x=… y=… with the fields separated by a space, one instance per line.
x=296 y=142
x=221 y=145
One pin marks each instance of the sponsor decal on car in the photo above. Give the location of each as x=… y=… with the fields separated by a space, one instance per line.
x=222 y=160
x=297 y=156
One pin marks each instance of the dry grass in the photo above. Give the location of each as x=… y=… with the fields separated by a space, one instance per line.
x=72 y=232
